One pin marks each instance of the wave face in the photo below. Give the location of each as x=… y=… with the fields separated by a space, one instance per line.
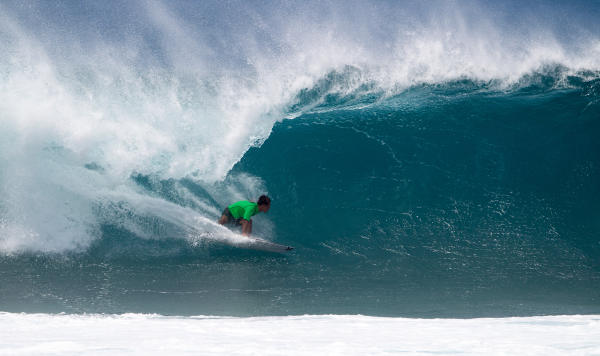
x=434 y=159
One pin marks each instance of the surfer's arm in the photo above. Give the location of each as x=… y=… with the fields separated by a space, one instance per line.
x=246 y=227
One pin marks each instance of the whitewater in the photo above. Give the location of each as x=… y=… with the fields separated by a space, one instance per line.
x=136 y=334
x=301 y=335
x=434 y=165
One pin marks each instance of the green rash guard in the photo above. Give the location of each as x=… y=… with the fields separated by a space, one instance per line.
x=243 y=209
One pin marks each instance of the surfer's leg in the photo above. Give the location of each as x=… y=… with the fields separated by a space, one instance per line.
x=246 y=227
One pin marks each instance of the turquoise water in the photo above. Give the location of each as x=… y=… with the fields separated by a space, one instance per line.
x=461 y=187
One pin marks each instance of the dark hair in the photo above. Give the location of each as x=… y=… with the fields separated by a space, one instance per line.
x=264 y=200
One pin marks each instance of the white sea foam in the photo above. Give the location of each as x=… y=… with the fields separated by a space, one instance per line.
x=138 y=334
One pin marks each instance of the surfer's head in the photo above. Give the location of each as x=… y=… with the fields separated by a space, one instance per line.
x=264 y=203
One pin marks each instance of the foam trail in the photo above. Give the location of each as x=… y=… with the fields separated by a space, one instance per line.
x=176 y=221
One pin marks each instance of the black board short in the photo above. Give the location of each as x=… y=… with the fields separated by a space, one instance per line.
x=230 y=219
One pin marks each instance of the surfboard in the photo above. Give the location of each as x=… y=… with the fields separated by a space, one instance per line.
x=230 y=238
x=264 y=245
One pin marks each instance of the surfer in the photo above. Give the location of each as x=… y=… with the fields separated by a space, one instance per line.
x=241 y=212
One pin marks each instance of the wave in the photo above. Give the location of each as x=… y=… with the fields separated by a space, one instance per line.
x=140 y=120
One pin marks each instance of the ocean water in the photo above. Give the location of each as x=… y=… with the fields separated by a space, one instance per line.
x=426 y=160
